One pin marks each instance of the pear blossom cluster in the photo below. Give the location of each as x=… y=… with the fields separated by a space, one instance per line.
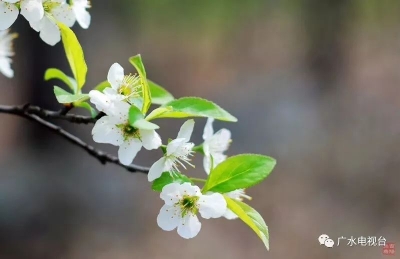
x=183 y=201
x=43 y=16
x=121 y=111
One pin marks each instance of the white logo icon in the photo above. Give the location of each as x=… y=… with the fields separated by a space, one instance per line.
x=329 y=243
x=325 y=240
x=322 y=238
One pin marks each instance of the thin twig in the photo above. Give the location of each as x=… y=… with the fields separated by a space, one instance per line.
x=43 y=113
x=35 y=113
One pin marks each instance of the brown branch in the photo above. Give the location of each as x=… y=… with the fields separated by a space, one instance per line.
x=43 y=113
x=37 y=114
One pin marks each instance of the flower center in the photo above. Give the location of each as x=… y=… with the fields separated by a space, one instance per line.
x=128 y=131
x=130 y=86
x=188 y=204
x=50 y=5
x=183 y=153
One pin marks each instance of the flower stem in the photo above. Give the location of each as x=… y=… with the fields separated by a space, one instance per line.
x=198 y=180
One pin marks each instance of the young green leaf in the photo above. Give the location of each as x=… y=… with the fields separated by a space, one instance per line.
x=146 y=125
x=251 y=217
x=88 y=107
x=136 y=119
x=239 y=172
x=157 y=112
x=66 y=97
x=166 y=178
x=101 y=86
x=158 y=94
x=134 y=115
x=74 y=53
x=195 y=107
x=136 y=61
x=54 y=73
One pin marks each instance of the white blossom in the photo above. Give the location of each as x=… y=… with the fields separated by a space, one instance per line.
x=238 y=195
x=214 y=145
x=32 y=10
x=182 y=203
x=54 y=10
x=114 y=129
x=81 y=14
x=6 y=52
x=178 y=150
x=123 y=87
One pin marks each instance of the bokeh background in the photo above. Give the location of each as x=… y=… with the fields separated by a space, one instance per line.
x=314 y=83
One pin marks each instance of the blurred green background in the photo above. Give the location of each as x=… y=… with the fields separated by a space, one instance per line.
x=314 y=83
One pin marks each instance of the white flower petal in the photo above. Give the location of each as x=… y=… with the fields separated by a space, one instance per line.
x=220 y=141
x=32 y=10
x=36 y=25
x=128 y=150
x=49 y=31
x=105 y=131
x=109 y=105
x=82 y=16
x=171 y=193
x=150 y=139
x=115 y=75
x=120 y=110
x=100 y=100
x=156 y=169
x=174 y=145
x=189 y=226
x=218 y=158
x=186 y=130
x=110 y=92
x=168 y=218
x=207 y=164
x=208 y=129
x=64 y=14
x=9 y=13
x=188 y=189
x=212 y=206
x=5 y=67
x=230 y=215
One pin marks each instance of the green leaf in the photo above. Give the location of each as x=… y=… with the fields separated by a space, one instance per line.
x=88 y=107
x=136 y=61
x=166 y=178
x=239 y=172
x=54 y=73
x=251 y=217
x=136 y=119
x=74 y=53
x=134 y=114
x=144 y=124
x=66 y=97
x=195 y=107
x=158 y=94
x=157 y=112
x=101 y=86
